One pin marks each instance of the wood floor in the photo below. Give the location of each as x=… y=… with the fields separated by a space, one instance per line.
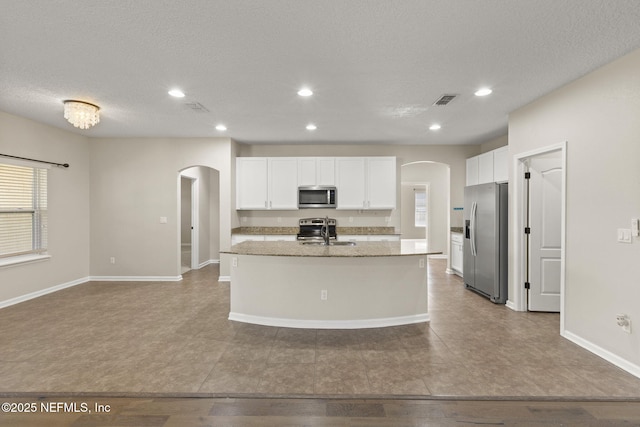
x=165 y=354
x=257 y=412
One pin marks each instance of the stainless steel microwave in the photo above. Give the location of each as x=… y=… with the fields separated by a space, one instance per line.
x=317 y=197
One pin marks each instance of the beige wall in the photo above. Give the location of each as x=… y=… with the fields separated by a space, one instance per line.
x=134 y=183
x=501 y=141
x=598 y=115
x=68 y=204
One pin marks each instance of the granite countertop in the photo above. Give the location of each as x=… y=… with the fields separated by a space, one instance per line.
x=361 y=249
x=294 y=230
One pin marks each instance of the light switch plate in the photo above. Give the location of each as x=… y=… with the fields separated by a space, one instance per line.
x=624 y=235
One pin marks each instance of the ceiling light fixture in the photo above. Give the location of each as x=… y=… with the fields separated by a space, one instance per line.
x=176 y=93
x=311 y=126
x=305 y=91
x=221 y=128
x=81 y=114
x=483 y=91
x=434 y=126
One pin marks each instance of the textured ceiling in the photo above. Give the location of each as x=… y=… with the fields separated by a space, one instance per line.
x=376 y=66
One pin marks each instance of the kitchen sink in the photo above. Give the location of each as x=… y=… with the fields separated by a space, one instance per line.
x=316 y=243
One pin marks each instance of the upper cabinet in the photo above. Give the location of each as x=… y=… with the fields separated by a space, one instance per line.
x=272 y=182
x=366 y=182
x=501 y=164
x=488 y=167
x=316 y=171
x=266 y=183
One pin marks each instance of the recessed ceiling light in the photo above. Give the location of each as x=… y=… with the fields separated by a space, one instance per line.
x=311 y=126
x=305 y=91
x=221 y=128
x=177 y=93
x=483 y=91
x=434 y=126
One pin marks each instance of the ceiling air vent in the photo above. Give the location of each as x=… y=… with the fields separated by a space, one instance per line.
x=196 y=106
x=444 y=100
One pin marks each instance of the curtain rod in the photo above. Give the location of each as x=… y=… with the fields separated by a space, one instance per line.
x=62 y=165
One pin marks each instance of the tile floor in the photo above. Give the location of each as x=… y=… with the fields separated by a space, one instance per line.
x=174 y=339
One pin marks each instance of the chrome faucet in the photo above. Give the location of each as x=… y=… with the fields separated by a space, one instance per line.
x=324 y=231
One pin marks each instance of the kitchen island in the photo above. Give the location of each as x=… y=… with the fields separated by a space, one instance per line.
x=290 y=284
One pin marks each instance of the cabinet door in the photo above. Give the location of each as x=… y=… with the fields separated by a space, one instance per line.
x=307 y=171
x=472 y=171
x=326 y=171
x=501 y=164
x=381 y=183
x=283 y=183
x=350 y=175
x=485 y=168
x=251 y=183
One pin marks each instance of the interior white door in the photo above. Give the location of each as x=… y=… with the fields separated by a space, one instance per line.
x=545 y=239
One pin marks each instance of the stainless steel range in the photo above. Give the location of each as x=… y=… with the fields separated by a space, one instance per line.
x=311 y=229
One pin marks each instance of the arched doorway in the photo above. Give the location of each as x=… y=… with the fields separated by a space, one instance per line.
x=425 y=201
x=199 y=201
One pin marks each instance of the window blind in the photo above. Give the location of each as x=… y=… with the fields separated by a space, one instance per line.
x=23 y=210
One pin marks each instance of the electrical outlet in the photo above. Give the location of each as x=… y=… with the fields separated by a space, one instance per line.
x=323 y=295
x=112 y=260
x=234 y=261
x=624 y=321
x=421 y=263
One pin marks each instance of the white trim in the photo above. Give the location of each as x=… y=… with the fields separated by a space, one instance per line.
x=207 y=262
x=330 y=324
x=224 y=278
x=42 y=292
x=510 y=304
x=621 y=363
x=135 y=278
x=518 y=301
x=23 y=259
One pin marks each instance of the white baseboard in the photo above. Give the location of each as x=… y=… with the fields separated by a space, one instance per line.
x=510 y=304
x=135 y=278
x=330 y=324
x=42 y=292
x=224 y=278
x=621 y=363
x=207 y=262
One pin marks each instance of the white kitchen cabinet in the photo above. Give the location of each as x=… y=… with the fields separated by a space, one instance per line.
x=280 y=238
x=239 y=238
x=472 y=171
x=353 y=237
x=266 y=183
x=491 y=166
x=251 y=183
x=485 y=168
x=366 y=182
x=381 y=183
x=501 y=164
x=283 y=183
x=351 y=182
x=456 y=253
x=384 y=238
x=316 y=171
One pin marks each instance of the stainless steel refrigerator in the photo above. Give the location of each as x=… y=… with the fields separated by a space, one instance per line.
x=485 y=243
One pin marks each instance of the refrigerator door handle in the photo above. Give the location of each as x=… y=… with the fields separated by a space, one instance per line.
x=474 y=211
